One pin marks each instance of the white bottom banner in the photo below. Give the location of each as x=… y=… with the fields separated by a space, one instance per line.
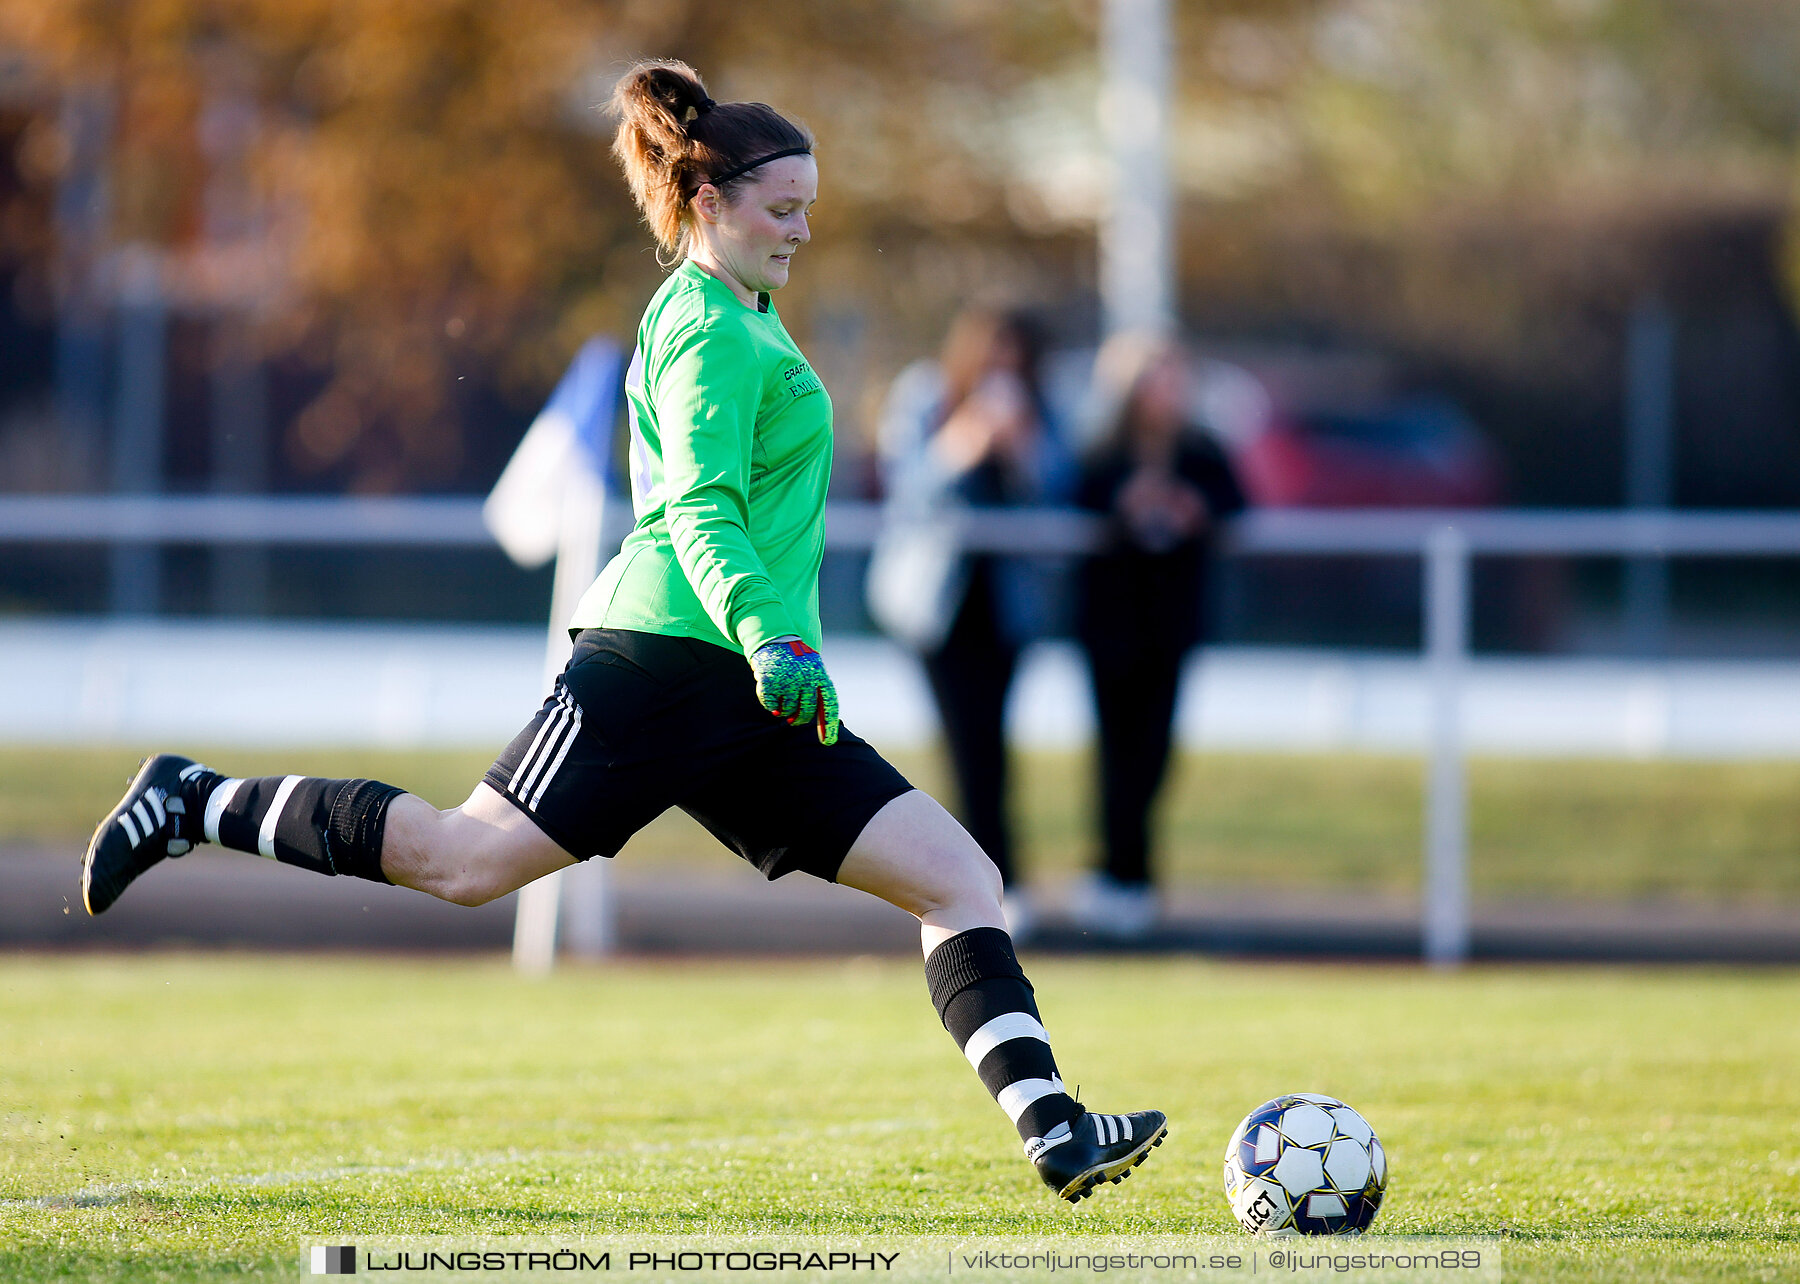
x=1365 y=1259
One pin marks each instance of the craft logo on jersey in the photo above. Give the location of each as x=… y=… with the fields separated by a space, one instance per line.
x=801 y=381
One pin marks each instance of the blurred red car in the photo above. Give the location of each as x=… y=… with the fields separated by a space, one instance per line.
x=1301 y=450
x=1322 y=432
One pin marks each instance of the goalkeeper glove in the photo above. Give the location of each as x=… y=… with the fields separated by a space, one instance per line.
x=792 y=684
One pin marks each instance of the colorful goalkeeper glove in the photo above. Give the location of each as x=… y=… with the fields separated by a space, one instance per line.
x=792 y=684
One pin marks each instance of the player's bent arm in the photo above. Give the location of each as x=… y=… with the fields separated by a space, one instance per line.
x=706 y=393
x=709 y=534
x=706 y=420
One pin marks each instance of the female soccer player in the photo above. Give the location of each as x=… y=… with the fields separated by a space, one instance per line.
x=695 y=680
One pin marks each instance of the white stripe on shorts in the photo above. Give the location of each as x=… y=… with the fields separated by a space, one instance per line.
x=543 y=746
x=1014 y=1097
x=528 y=773
x=1008 y=1025
x=216 y=802
x=556 y=763
x=537 y=742
x=265 y=837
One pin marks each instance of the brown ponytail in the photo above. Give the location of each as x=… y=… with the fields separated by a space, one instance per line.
x=673 y=138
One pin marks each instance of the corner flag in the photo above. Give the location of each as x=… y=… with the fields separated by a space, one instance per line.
x=551 y=501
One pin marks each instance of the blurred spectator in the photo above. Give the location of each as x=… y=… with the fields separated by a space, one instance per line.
x=1164 y=486
x=969 y=430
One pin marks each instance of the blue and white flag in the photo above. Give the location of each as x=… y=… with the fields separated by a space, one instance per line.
x=524 y=511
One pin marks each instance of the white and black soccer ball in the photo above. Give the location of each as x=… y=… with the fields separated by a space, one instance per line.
x=1304 y=1164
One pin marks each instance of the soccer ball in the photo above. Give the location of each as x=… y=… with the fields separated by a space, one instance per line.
x=1304 y=1164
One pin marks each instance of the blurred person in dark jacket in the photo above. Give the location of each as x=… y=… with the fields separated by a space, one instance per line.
x=970 y=431
x=1164 y=487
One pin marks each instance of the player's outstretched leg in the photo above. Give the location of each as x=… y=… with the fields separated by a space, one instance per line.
x=467 y=855
x=174 y=803
x=914 y=855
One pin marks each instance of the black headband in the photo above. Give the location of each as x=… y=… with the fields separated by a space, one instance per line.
x=718 y=180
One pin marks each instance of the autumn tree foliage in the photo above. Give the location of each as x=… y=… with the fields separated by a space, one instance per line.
x=430 y=184
x=411 y=200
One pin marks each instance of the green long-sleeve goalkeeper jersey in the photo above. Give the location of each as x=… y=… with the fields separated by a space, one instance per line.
x=730 y=459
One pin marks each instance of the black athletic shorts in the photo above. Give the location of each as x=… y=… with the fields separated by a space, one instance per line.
x=641 y=722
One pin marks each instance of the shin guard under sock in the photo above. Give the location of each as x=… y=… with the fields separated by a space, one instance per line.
x=986 y=1004
x=327 y=826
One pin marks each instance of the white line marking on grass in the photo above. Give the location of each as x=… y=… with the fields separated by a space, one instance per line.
x=97 y=1197
x=105 y=1196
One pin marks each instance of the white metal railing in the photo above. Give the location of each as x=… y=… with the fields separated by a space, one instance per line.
x=455 y=522
x=317 y=520
x=1445 y=541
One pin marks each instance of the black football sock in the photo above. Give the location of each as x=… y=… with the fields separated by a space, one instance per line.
x=327 y=826
x=986 y=1004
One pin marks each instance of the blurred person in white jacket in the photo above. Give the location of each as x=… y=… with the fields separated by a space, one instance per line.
x=971 y=430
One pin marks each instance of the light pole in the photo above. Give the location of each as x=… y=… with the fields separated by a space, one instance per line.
x=1137 y=229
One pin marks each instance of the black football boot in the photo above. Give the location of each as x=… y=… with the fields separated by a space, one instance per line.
x=1076 y=1157
x=150 y=822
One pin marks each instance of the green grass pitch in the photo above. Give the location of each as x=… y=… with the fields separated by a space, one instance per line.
x=1713 y=831
x=193 y=1117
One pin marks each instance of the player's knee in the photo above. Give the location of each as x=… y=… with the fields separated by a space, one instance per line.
x=469 y=892
x=460 y=862
x=476 y=882
x=983 y=878
x=451 y=876
x=966 y=878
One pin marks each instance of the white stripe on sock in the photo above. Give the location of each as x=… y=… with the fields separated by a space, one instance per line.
x=537 y=795
x=265 y=837
x=216 y=803
x=1014 y=1097
x=1008 y=1025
